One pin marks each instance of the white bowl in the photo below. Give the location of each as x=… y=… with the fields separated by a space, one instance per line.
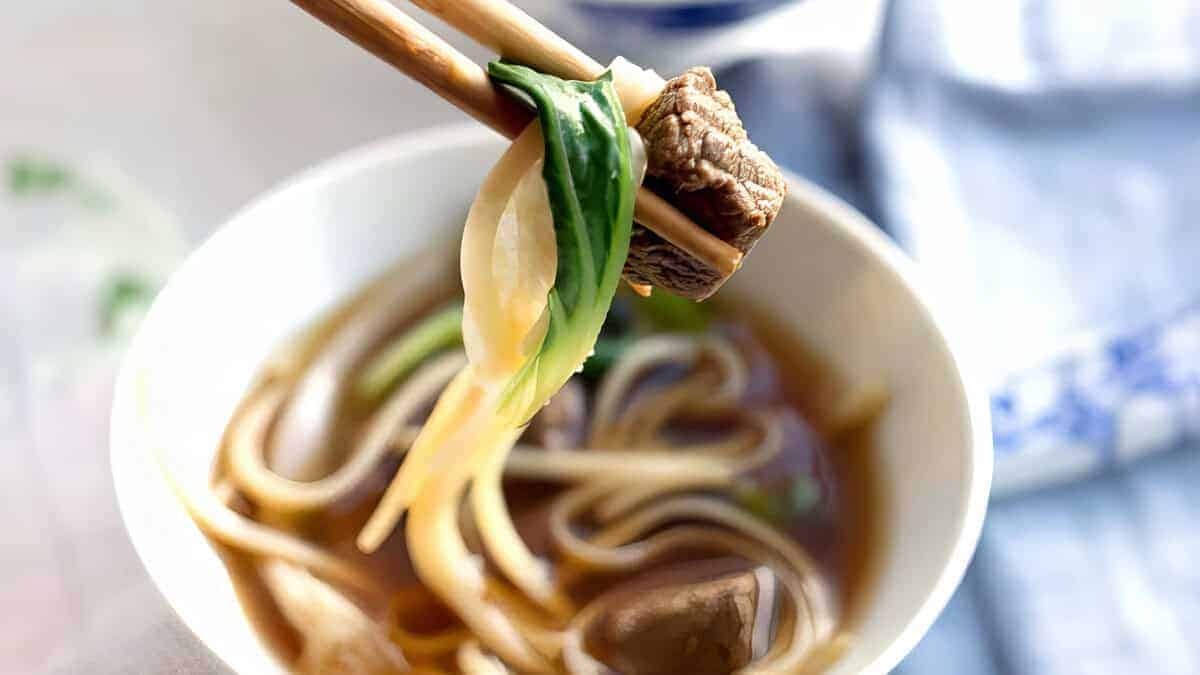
x=823 y=269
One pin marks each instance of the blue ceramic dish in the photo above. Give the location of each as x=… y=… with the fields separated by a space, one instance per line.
x=674 y=14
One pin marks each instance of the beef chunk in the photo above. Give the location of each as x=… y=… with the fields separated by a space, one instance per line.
x=700 y=159
x=703 y=627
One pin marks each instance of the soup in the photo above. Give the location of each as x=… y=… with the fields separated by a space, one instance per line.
x=532 y=472
x=671 y=382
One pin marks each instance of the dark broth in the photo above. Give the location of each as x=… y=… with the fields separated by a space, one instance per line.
x=822 y=489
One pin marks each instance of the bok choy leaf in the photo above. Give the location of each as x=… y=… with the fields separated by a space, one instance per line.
x=589 y=179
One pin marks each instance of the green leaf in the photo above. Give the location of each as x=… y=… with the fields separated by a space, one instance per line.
x=124 y=294
x=780 y=503
x=805 y=494
x=589 y=181
x=761 y=503
x=28 y=175
x=433 y=334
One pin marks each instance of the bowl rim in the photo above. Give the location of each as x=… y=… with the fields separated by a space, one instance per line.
x=852 y=226
x=861 y=232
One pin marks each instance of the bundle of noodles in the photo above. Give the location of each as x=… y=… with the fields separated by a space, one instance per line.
x=628 y=427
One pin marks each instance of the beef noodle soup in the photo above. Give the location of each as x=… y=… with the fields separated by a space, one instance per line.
x=532 y=472
x=673 y=490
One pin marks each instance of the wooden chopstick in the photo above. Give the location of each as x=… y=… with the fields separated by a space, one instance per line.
x=513 y=34
x=393 y=36
x=380 y=28
x=507 y=30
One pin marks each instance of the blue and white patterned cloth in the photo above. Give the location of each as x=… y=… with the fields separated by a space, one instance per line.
x=1043 y=157
x=1039 y=160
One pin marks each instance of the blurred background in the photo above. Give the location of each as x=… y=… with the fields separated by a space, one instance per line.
x=1039 y=159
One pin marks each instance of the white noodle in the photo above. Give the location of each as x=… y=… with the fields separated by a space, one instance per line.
x=223 y=525
x=338 y=636
x=442 y=560
x=247 y=465
x=472 y=661
x=586 y=464
x=529 y=573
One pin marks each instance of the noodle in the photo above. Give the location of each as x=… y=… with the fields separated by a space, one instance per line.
x=586 y=464
x=458 y=396
x=657 y=351
x=500 y=537
x=303 y=427
x=621 y=378
x=223 y=525
x=472 y=661
x=429 y=645
x=337 y=635
x=443 y=561
x=247 y=466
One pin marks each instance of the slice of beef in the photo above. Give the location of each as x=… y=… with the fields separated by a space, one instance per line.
x=686 y=621
x=700 y=159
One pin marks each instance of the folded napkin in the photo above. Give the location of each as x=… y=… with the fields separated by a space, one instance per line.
x=1039 y=160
